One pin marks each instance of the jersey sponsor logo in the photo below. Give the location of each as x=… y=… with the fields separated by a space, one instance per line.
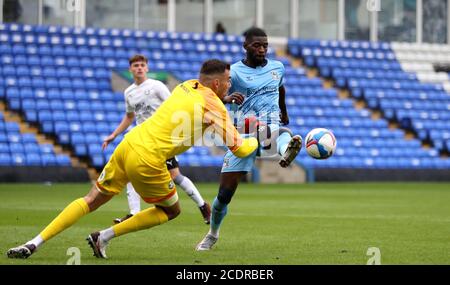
x=265 y=89
x=249 y=78
x=143 y=108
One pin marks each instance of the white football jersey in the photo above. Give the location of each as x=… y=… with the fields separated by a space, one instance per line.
x=144 y=99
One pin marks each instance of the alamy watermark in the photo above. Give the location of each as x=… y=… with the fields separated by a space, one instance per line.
x=73 y=5
x=209 y=128
x=75 y=256
x=375 y=256
x=373 y=5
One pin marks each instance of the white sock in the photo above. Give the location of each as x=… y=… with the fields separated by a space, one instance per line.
x=214 y=233
x=107 y=234
x=283 y=142
x=134 y=200
x=190 y=189
x=37 y=241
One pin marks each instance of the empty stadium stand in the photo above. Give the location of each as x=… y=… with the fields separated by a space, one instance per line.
x=58 y=79
x=372 y=73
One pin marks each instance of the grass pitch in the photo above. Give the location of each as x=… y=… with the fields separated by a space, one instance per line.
x=266 y=224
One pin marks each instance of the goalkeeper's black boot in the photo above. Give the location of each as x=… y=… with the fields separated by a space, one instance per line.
x=22 y=251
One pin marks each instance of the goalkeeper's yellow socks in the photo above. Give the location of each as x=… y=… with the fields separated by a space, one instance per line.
x=143 y=220
x=72 y=213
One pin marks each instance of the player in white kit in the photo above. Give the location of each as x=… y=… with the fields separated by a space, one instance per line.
x=142 y=98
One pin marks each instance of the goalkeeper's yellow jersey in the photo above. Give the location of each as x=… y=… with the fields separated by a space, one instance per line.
x=181 y=121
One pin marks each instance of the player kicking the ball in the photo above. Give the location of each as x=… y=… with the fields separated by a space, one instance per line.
x=257 y=83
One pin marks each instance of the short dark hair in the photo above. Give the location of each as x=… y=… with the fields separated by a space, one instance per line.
x=138 y=57
x=214 y=66
x=254 y=32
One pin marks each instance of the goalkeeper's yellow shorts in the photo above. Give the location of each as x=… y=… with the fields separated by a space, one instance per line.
x=150 y=179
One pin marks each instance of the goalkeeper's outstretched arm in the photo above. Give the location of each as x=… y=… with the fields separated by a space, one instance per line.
x=216 y=115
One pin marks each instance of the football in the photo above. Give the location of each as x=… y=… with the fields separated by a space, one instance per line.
x=320 y=143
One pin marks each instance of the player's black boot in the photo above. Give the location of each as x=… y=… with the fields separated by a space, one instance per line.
x=294 y=147
x=97 y=244
x=22 y=251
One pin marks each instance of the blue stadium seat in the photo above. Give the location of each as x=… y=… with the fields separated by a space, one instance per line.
x=99 y=63
x=77 y=138
x=58 y=115
x=78 y=84
x=51 y=82
x=57 y=106
x=3 y=137
x=92 y=138
x=33 y=159
x=28 y=138
x=12 y=127
x=57 y=50
x=9 y=70
x=66 y=95
x=72 y=116
x=46 y=149
x=18 y=159
x=80 y=150
x=63 y=160
x=47 y=61
x=16 y=148
x=20 y=60
x=102 y=127
x=65 y=83
x=98 y=160
x=83 y=105
x=4 y=148
x=22 y=71
x=13 y=93
x=61 y=127
x=94 y=149
x=5 y=159
x=5 y=48
x=48 y=159
x=47 y=126
x=26 y=93
x=86 y=116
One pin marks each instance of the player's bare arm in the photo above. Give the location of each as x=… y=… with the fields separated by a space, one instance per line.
x=124 y=124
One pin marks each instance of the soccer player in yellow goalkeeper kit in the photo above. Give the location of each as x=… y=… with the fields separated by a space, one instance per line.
x=193 y=107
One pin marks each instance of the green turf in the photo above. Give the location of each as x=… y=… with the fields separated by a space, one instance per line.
x=266 y=224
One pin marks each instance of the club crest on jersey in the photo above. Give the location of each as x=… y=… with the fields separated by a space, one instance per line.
x=275 y=75
x=171 y=184
x=102 y=176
